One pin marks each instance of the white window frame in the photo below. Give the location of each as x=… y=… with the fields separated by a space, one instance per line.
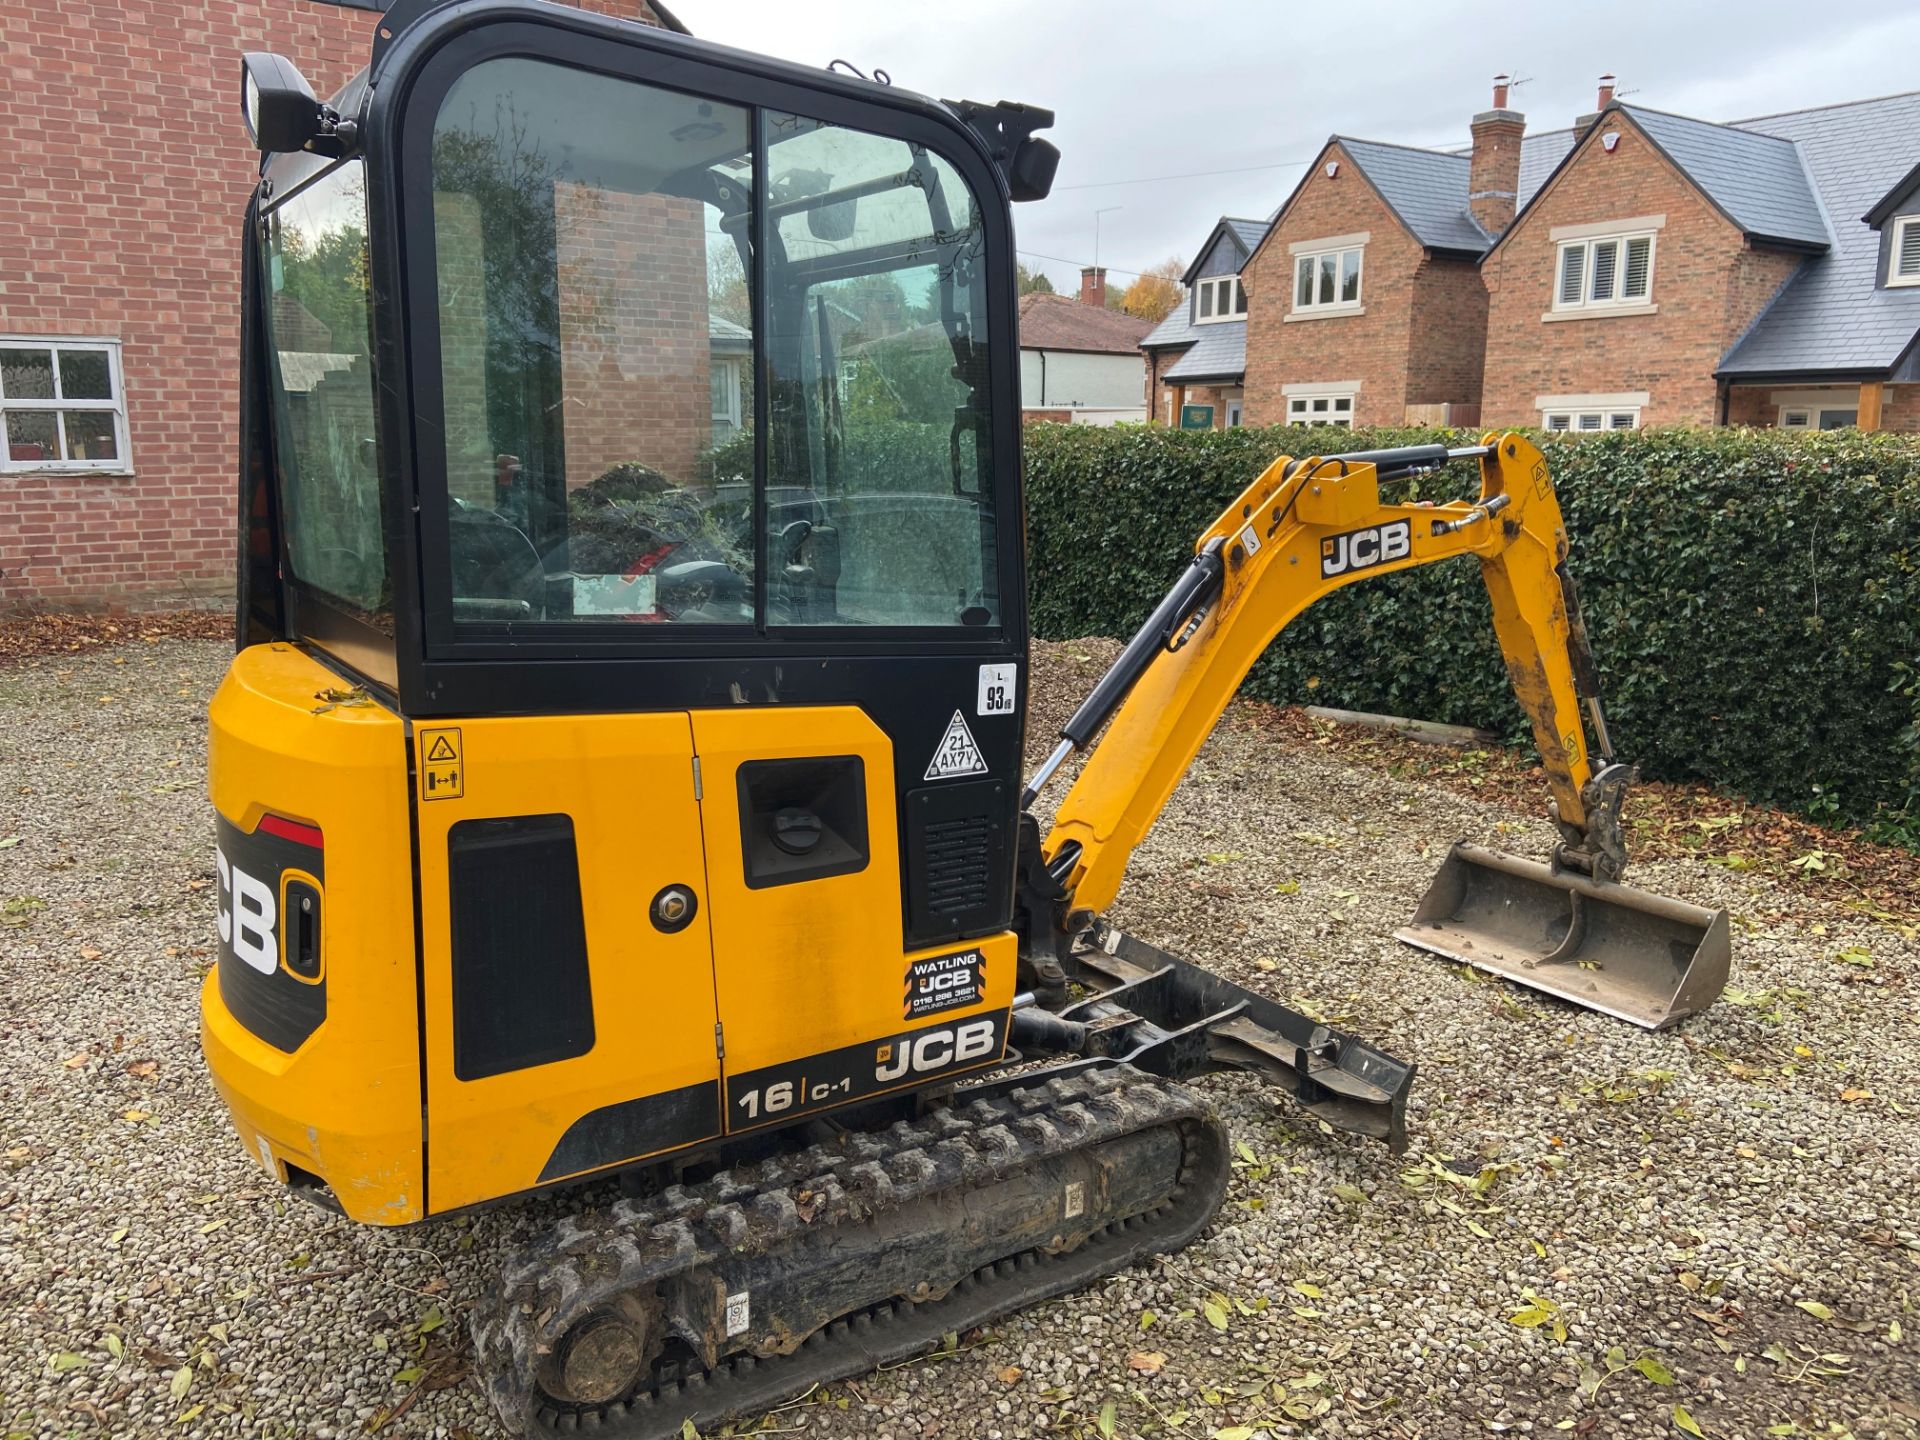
x=1221 y=291
x=1900 y=228
x=1316 y=307
x=1335 y=402
x=1591 y=422
x=1618 y=301
x=729 y=414
x=116 y=404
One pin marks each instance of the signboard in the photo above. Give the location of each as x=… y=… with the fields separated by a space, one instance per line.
x=1196 y=417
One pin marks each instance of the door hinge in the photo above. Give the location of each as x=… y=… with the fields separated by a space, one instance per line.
x=719 y=1041
x=696 y=777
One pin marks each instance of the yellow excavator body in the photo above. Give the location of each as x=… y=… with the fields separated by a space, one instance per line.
x=619 y=771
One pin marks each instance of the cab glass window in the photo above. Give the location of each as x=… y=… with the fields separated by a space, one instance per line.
x=602 y=365
x=317 y=318
x=880 y=499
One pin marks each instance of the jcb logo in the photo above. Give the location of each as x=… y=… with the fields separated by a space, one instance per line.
x=1363 y=549
x=934 y=1050
x=248 y=914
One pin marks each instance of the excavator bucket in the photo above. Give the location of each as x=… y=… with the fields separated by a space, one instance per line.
x=1624 y=952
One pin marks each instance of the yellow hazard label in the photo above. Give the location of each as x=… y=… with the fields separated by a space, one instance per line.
x=443 y=774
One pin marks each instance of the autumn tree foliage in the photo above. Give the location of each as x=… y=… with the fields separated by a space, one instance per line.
x=1154 y=293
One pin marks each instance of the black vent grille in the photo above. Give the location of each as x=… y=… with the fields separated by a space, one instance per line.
x=958 y=876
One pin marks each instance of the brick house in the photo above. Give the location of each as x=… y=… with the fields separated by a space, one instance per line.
x=127 y=171
x=1680 y=271
x=1367 y=306
x=1197 y=356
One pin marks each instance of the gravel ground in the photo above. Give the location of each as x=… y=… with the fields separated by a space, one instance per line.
x=1724 y=1219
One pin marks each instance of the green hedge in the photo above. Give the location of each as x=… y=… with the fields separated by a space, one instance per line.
x=1753 y=596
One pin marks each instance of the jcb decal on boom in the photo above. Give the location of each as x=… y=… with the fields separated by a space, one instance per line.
x=1363 y=549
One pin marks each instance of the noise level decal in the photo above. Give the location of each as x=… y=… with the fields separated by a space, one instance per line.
x=956 y=753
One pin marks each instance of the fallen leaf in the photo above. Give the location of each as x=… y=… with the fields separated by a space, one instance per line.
x=67 y=1360
x=1147 y=1317
x=1853 y=1097
x=1683 y=1421
x=1312 y=1292
x=1653 y=1370
x=1266 y=962
x=87 y=952
x=74 y=1062
x=1815 y=1309
x=1215 y=1309
x=211 y=1226
x=1234 y=1432
x=9 y=842
x=113 y=1240
x=113 y=1345
x=142 y=1069
x=181 y=1383
x=1009 y=1374
x=1146 y=1362
x=1107 y=1422
x=1352 y=1194
x=432 y=1320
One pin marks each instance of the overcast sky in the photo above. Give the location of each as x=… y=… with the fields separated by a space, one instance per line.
x=1151 y=90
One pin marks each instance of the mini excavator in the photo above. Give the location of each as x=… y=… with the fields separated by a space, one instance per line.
x=619 y=770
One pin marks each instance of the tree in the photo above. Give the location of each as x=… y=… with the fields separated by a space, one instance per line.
x=1153 y=294
x=1032 y=282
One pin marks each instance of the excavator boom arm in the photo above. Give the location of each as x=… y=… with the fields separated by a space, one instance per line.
x=1302 y=530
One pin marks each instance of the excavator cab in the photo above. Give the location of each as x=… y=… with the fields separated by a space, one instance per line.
x=619 y=768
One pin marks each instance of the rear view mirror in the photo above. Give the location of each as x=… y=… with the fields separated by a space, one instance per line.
x=282 y=115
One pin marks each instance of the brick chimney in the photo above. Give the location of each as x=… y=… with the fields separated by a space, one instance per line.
x=1602 y=99
x=1493 y=178
x=1093 y=286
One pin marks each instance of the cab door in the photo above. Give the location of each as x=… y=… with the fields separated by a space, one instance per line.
x=567 y=968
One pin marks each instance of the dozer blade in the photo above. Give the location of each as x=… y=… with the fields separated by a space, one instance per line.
x=1627 y=953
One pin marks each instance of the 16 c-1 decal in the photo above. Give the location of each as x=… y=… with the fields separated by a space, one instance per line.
x=818 y=1082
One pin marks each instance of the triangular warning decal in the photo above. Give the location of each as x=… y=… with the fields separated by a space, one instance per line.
x=441 y=750
x=956 y=753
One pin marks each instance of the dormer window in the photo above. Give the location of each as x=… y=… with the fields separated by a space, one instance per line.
x=1222 y=298
x=1903 y=264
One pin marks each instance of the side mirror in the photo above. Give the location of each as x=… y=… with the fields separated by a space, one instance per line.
x=282 y=115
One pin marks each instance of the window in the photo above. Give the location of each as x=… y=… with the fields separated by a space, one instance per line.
x=588 y=293
x=1327 y=280
x=1588 y=421
x=1327 y=409
x=317 y=316
x=1219 y=299
x=1609 y=271
x=1818 y=417
x=62 y=406
x=1903 y=265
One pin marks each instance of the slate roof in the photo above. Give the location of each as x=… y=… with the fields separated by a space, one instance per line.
x=1061 y=322
x=1756 y=178
x=1834 y=315
x=1248 y=232
x=1219 y=353
x=1428 y=189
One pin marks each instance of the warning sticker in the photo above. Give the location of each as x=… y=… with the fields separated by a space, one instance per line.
x=956 y=754
x=945 y=982
x=443 y=776
x=737 y=1313
x=996 y=690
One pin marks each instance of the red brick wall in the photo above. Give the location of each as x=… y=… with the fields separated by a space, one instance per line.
x=1753 y=404
x=1419 y=340
x=1708 y=283
x=634 y=347
x=126 y=168
x=1164 y=397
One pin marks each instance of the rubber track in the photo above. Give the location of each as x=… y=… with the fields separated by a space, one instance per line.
x=588 y=1259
